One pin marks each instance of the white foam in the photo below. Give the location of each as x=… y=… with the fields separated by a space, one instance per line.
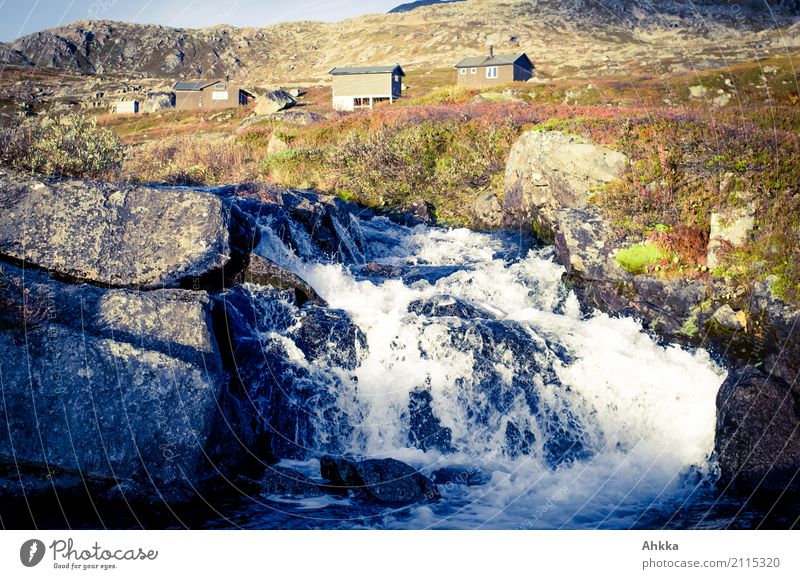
x=648 y=411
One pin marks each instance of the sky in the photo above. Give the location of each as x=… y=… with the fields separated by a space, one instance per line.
x=21 y=17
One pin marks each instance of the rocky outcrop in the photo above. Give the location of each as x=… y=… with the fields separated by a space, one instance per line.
x=110 y=384
x=119 y=236
x=549 y=171
x=758 y=433
x=387 y=480
x=549 y=182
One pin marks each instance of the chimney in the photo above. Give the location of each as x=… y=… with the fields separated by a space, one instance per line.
x=491 y=51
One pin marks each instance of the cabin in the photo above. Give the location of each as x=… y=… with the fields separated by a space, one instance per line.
x=494 y=69
x=210 y=94
x=362 y=87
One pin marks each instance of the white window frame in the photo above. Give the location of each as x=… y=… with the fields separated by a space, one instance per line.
x=463 y=72
x=220 y=95
x=491 y=72
x=473 y=71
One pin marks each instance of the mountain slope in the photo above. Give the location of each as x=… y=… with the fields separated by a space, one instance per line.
x=582 y=37
x=418 y=4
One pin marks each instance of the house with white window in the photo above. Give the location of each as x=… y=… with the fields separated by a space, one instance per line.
x=494 y=69
x=210 y=94
x=362 y=87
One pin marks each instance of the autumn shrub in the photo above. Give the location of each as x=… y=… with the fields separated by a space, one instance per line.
x=192 y=160
x=71 y=146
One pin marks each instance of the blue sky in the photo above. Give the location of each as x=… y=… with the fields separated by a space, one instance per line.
x=21 y=17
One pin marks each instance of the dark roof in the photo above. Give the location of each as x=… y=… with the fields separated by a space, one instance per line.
x=497 y=60
x=342 y=70
x=195 y=84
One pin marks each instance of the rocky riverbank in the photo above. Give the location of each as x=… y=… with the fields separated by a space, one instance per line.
x=131 y=357
x=550 y=181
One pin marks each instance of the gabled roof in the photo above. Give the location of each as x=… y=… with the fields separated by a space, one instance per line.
x=195 y=84
x=391 y=69
x=496 y=60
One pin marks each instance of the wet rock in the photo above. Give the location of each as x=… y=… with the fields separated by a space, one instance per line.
x=285 y=482
x=381 y=270
x=425 y=429
x=758 y=433
x=385 y=480
x=330 y=335
x=551 y=170
x=286 y=392
x=113 y=384
x=116 y=235
x=586 y=246
x=265 y=272
x=460 y=475
x=446 y=306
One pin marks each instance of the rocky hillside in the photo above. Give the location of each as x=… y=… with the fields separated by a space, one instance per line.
x=585 y=37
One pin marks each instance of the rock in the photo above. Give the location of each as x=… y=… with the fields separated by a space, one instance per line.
x=550 y=170
x=697 y=91
x=285 y=482
x=385 y=480
x=418 y=213
x=730 y=229
x=446 y=306
x=329 y=335
x=158 y=101
x=730 y=320
x=296 y=117
x=487 y=212
x=265 y=272
x=585 y=245
x=457 y=475
x=758 y=434
x=272 y=102
x=425 y=430
x=277 y=145
x=721 y=100
x=119 y=235
x=112 y=384
x=287 y=383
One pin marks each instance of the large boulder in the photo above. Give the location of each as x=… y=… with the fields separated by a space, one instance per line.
x=158 y=101
x=118 y=235
x=116 y=385
x=273 y=101
x=758 y=433
x=550 y=170
x=730 y=228
x=387 y=480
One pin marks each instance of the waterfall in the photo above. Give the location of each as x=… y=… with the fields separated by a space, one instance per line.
x=465 y=348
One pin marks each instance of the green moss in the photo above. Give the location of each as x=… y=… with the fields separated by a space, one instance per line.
x=638 y=258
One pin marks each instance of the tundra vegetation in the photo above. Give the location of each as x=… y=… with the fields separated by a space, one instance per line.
x=448 y=146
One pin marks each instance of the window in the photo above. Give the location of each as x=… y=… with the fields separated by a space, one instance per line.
x=219 y=95
x=463 y=72
x=397 y=78
x=491 y=72
x=220 y=86
x=473 y=71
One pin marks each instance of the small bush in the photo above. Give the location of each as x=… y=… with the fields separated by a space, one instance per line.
x=72 y=146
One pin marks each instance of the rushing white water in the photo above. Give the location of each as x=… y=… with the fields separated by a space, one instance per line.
x=575 y=421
